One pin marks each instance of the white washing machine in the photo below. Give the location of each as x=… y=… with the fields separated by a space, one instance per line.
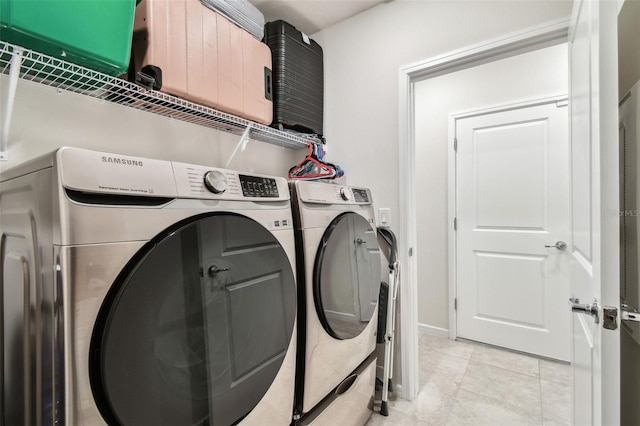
x=143 y=292
x=338 y=288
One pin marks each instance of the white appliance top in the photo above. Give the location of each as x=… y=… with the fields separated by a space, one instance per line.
x=100 y=172
x=325 y=193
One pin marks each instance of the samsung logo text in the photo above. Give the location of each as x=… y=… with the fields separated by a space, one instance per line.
x=123 y=161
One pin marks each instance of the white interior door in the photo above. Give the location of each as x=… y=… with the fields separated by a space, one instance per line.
x=367 y=255
x=595 y=258
x=512 y=200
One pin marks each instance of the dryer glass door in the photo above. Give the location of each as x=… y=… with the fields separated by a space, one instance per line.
x=347 y=276
x=197 y=326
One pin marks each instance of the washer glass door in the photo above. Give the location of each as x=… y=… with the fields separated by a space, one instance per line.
x=347 y=276
x=196 y=327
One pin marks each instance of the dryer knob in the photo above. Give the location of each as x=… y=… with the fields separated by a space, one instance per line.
x=344 y=194
x=215 y=181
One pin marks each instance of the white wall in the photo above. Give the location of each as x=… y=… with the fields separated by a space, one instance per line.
x=44 y=119
x=362 y=59
x=536 y=74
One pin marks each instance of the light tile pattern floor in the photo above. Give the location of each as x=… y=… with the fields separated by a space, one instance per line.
x=466 y=383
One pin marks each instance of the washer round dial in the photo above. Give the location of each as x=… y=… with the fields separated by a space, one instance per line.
x=215 y=181
x=344 y=194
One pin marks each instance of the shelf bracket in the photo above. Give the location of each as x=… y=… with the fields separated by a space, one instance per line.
x=242 y=144
x=14 y=74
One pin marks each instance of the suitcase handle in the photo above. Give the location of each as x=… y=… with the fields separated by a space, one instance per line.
x=268 y=85
x=150 y=77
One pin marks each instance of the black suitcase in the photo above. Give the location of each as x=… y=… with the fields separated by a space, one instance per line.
x=298 y=78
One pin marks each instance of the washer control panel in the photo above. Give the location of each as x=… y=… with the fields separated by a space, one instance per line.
x=258 y=186
x=104 y=173
x=193 y=181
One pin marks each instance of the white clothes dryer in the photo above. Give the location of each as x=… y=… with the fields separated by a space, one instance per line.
x=145 y=292
x=339 y=274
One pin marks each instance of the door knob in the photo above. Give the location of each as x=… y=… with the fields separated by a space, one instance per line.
x=213 y=270
x=585 y=308
x=560 y=245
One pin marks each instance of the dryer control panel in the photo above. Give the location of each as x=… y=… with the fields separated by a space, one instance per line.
x=327 y=193
x=360 y=195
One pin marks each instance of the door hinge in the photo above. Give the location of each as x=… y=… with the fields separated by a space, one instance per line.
x=455 y=144
x=455 y=304
x=410 y=251
x=455 y=223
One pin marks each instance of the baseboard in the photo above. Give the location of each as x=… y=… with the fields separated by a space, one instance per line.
x=429 y=329
x=397 y=390
x=340 y=315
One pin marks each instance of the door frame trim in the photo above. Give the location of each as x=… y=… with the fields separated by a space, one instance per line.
x=452 y=168
x=529 y=39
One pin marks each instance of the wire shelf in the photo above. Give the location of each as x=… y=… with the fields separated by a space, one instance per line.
x=63 y=75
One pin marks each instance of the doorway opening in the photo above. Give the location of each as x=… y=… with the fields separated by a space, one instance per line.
x=527 y=41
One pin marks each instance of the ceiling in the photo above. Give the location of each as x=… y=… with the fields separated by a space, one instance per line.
x=310 y=16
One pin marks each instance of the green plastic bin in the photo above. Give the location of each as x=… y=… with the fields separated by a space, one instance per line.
x=92 y=33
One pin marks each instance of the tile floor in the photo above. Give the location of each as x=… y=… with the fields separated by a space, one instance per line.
x=466 y=383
